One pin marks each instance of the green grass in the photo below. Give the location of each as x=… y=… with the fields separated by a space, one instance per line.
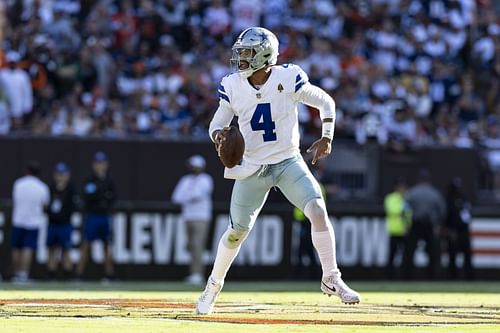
x=249 y=307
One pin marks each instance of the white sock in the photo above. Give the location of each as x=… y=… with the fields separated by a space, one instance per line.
x=223 y=260
x=324 y=243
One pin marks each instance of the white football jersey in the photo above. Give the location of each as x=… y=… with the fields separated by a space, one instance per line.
x=267 y=117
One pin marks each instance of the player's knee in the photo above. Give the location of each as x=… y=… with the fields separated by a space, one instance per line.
x=315 y=211
x=233 y=238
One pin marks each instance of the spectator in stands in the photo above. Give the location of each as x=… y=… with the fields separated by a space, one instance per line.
x=98 y=198
x=217 y=20
x=428 y=216
x=4 y=115
x=398 y=221
x=17 y=86
x=30 y=196
x=401 y=129
x=457 y=235
x=194 y=193
x=469 y=107
x=61 y=206
x=245 y=13
x=377 y=44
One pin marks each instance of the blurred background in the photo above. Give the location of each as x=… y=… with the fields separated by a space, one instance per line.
x=416 y=85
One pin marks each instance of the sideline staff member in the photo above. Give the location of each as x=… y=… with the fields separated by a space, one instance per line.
x=30 y=196
x=99 y=198
x=61 y=207
x=398 y=220
x=194 y=193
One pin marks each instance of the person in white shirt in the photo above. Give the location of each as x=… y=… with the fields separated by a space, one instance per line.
x=264 y=97
x=17 y=86
x=245 y=13
x=194 y=193
x=4 y=115
x=29 y=197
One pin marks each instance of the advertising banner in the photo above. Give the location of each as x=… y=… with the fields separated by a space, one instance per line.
x=153 y=245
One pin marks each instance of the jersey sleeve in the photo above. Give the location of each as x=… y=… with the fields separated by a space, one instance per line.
x=312 y=95
x=301 y=77
x=222 y=93
x=224 y=113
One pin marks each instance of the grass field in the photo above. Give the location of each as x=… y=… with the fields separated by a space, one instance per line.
x=249 y=307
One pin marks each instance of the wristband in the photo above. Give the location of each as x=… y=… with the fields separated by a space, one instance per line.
x=327 y=129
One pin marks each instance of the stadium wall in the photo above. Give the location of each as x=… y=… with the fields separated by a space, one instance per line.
x=147 y=170
x=150 y=244
x=150 y=240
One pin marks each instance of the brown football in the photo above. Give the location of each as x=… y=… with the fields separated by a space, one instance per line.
x=232 y=149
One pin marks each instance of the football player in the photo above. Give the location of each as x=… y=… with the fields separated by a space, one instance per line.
x=264 y=97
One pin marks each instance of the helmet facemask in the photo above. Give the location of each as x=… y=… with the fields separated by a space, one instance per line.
x=243 y=61
x=254 y=49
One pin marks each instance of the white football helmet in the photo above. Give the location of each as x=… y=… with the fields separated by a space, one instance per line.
x=254 y=49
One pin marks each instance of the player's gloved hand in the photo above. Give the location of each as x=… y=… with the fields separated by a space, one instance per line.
x=219 y=138
x=320 y=148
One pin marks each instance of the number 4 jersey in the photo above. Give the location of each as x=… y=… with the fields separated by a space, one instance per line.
x=267 y=115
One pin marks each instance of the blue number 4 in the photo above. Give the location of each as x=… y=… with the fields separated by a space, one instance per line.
x=262 y=121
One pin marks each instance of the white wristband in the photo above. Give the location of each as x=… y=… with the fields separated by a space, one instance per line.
x=327 y=129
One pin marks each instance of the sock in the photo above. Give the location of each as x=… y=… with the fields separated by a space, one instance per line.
x=324 y=243
x=223 y=260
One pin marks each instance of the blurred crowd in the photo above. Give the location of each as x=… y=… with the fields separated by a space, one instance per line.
x=403 y=72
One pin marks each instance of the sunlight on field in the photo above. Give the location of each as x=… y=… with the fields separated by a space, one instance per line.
x=242 y=307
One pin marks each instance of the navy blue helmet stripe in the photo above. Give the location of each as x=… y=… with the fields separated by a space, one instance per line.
x=221 y=88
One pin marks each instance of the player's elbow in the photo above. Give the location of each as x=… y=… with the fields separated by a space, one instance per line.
x=328 y=112
x=330 y=105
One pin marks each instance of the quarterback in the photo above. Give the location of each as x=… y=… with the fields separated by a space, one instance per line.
x=264 y=97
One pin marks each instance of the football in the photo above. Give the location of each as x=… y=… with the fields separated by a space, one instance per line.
x=231 y=150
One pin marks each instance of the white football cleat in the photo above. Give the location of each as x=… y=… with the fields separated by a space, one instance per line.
x=206 y=302
x=334 y=285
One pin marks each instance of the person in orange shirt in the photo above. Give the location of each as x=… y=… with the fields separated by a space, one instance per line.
x=3 y=63
x=37 y=73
